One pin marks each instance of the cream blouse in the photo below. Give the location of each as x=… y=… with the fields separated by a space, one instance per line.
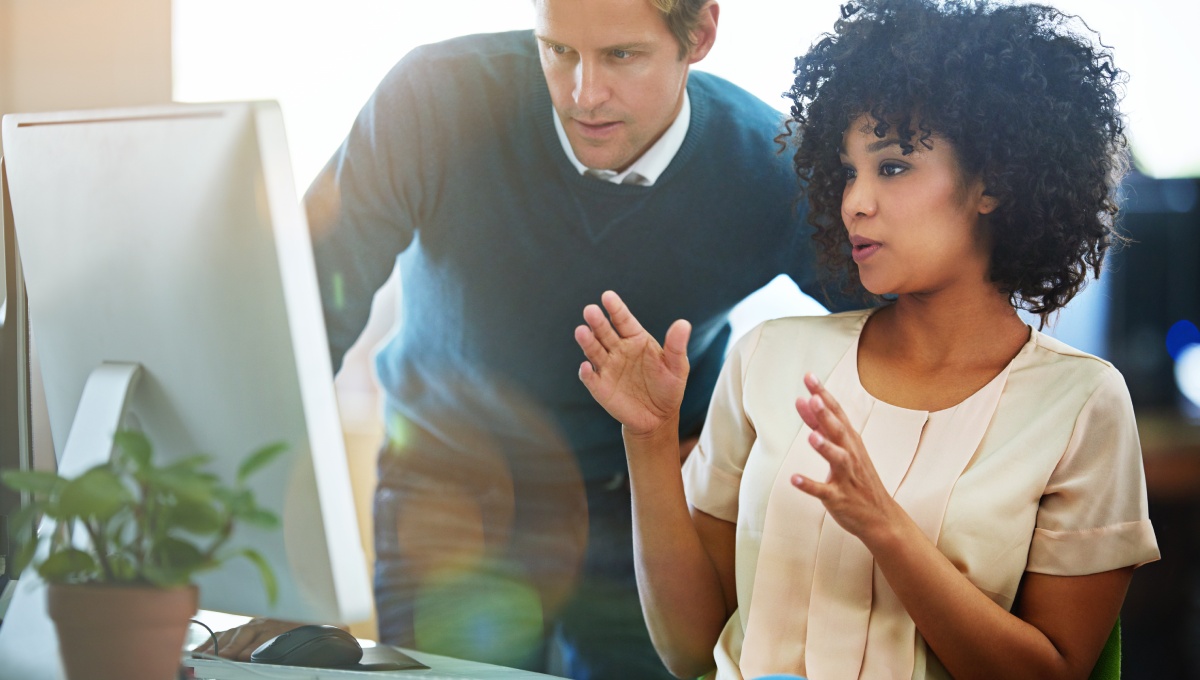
x=1040 y=470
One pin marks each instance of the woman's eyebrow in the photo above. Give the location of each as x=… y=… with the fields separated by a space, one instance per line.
x=882 y=144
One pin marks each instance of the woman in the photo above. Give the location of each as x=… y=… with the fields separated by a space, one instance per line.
x=957 y=494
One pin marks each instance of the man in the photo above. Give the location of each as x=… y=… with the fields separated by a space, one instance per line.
x=514 y=177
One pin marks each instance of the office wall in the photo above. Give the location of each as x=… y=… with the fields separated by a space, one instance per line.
x=64 y=54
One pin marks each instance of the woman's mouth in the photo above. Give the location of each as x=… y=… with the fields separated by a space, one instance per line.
x=863 y=248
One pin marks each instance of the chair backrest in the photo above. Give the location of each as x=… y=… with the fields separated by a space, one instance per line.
x=1108 y=666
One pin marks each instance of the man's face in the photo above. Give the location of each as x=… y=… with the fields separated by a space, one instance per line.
x=615 y=76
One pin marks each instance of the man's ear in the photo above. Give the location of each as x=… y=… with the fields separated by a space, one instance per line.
x=705 y=33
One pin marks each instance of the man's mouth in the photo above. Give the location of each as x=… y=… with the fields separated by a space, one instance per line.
x=596 y=128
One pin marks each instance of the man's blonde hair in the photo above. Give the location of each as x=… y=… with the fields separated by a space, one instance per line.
x=682 y=17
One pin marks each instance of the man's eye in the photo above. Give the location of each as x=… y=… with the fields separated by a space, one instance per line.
x=557 y=49
x=622 y=54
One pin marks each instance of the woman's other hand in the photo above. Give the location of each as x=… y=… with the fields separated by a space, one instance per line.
x=853 y=493
x=638 y=382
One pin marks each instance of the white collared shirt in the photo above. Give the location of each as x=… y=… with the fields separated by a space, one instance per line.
x=646 y=169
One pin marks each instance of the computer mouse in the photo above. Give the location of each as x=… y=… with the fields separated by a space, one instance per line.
x=311 y=646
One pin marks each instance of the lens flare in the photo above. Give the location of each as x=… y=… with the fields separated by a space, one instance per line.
x=1180 y=336
x=1187 y=373
x=488 y=617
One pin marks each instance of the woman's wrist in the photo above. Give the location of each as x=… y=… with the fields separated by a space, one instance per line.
x=891 y=532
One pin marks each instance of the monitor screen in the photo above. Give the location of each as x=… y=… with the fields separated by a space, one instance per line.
x=171 y=238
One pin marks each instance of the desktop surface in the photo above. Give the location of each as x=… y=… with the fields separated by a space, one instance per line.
x=440 y=667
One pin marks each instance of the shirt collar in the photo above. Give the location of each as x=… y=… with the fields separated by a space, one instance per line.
x=647 y=168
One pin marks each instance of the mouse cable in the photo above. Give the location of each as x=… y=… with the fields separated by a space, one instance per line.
x=211 y=634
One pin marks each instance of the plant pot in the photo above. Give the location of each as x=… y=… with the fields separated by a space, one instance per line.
x=108 y=632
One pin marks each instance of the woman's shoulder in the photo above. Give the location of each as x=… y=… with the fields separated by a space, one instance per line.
x=1071 y=374
x=846 y=324
x=809 y=340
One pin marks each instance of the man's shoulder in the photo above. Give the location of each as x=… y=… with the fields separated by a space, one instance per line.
x=480 y=46
x=729 y=101
x=491 y=67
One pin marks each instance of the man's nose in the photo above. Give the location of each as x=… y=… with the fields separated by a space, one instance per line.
x=591 y=85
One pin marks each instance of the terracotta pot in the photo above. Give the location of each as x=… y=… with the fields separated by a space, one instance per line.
x=120 y=632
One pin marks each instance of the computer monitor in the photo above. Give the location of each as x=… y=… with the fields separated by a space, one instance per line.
x=16 y=451
x=171 y=239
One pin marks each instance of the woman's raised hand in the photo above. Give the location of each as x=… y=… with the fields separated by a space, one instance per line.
x=638 y=382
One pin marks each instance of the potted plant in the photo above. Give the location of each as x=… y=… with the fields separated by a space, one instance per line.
x=122 y=599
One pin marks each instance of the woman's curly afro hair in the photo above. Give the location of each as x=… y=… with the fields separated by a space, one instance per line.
x=1027 y=101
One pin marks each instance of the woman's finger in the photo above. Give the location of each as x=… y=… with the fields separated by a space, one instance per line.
x=831 y=452
x=817 y=388
x=601 y=328
x=812 y=487
x=623 y=320
x=675 y=347
x=585 y=337
x=816 y=414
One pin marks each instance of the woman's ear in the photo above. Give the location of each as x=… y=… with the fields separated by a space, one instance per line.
x=987 y=203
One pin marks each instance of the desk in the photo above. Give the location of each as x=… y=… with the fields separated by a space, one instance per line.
x=440 y=668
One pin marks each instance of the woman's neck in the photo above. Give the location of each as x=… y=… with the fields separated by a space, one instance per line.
x=929 y=352
x=950 y=329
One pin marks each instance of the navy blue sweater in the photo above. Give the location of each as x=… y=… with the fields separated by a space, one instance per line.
x=454 y=166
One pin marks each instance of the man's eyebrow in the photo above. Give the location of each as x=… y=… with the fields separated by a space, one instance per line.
x=625 y=47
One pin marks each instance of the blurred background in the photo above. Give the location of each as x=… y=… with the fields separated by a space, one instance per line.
x=322 y=59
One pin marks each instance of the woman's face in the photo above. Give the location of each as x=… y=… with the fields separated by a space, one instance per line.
x=912 y=219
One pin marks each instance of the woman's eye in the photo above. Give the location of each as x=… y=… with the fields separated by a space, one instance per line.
x=848 y=173
x=891 y=169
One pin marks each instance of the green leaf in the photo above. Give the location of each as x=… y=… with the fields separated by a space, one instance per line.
x=264 y=519
x=259 y=459
x=123 y=567
x=239 y=502
x=68 y=564
x=35 y=482
x=22 y=523
x=173 y=555
x=135 y=446
x=97 y=493
x=189 y=463
x=23 y=557
x=264 y=571
x=198 y=518
x=194 y=486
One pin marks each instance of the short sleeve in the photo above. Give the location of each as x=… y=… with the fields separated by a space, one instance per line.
x=712 y=474
x=1093 y=513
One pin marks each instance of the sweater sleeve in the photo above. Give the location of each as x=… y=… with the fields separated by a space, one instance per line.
x=363 y=207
